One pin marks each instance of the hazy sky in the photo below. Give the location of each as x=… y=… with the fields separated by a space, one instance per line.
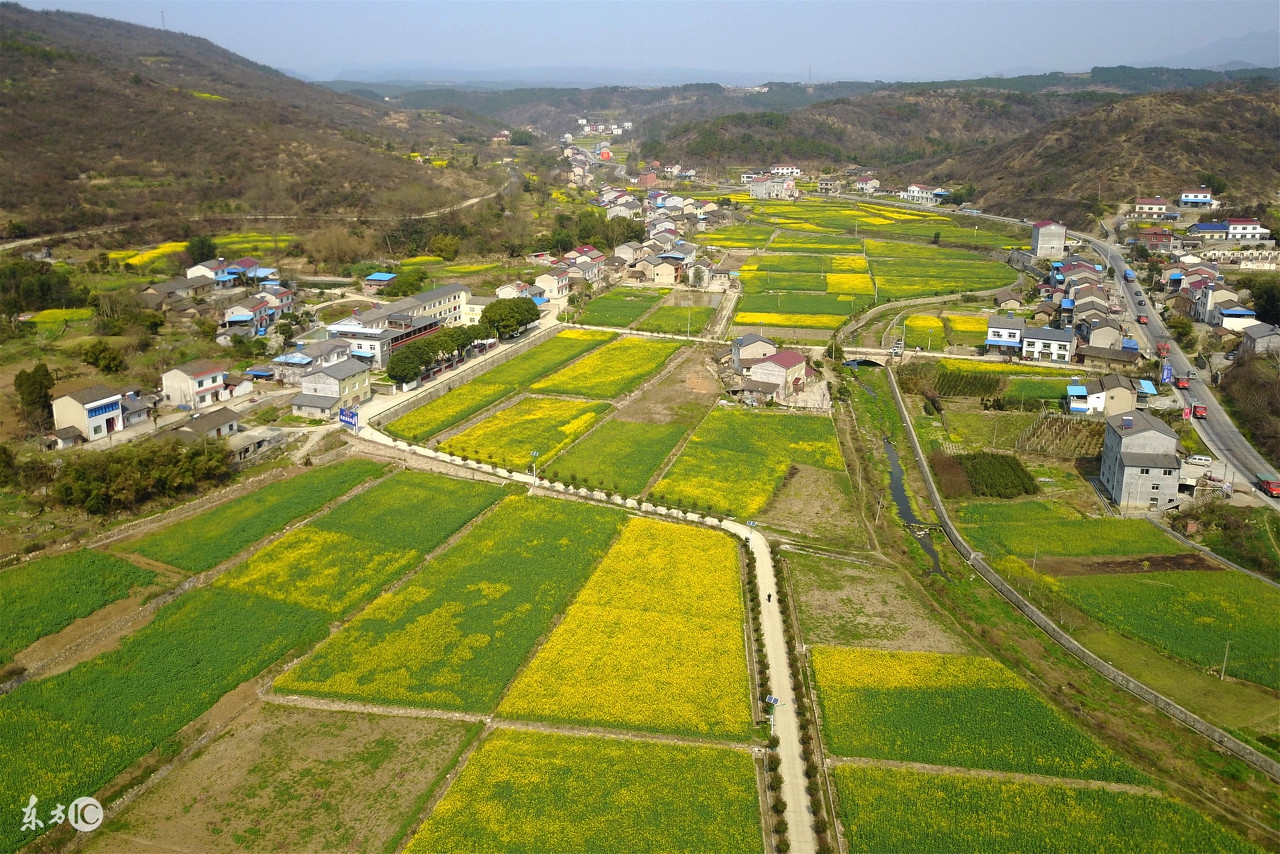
x=868 y=40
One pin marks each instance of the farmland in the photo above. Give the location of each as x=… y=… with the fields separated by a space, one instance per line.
x=1191 y=615
x=678 y=320
x=887 y=811
x=46 y=595
x=545 y=793
x=881 y=220
x=1032 y=388
x=454 y=635
x=800 y=310
x=620 y=306
x=926 y=252
x=741 y=237
x=915 y=277
x=789 y=321
x=535 y=424
x=620 y=455
x=736 y=460
x=656 y=634
x=1025 y=528
x=834 y=244
x=952 y=710
x=204 y=541
x=611 y=371
x=850 y=283
x=965 y=329
x=506 y=379
x=759 y=281
x=925 y=331
x=375 y=773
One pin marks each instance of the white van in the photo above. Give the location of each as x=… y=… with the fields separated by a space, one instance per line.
x=1199 y=460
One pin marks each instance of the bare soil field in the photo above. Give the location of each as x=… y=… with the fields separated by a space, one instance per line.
x=289 y=779
x=816 y=502
x=688 y=391
x=1064 y=567
x=850 y=604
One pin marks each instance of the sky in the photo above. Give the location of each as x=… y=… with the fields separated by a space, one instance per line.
x=664 y=41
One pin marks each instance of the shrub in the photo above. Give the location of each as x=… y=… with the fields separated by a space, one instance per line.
x=997 y=475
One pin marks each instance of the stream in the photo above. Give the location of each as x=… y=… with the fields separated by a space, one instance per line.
x=913 y=523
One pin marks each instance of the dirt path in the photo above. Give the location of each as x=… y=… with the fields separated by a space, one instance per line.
x=1069 y=782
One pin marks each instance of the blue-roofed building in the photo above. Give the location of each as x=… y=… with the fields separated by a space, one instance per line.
x=1130 y=344
x=290 y=367
x=379 y=280
x=1229 y=314
x=1078 y=399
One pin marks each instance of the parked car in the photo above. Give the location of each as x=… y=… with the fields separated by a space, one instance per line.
x=1231 y=357
x=1142 y=302
x=1199 y=460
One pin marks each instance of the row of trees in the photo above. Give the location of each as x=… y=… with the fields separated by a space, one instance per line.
x=35 y=286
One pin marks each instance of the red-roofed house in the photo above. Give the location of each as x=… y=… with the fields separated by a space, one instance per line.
x=1159 y=239
x=1239 y=228
x=786 y=369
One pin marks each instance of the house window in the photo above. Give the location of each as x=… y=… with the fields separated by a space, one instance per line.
x=1155 y=487
x=1168 y=472
x=1144 y=471
x=97 y=430
x=199 y=383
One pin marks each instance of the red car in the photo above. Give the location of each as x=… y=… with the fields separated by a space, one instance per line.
x=1142 y=318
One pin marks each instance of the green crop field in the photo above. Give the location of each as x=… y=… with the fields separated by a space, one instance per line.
x=873 y=219
x=411 y=510
x=793 y=303
x=926 y=252
x=1026 y=528
x=892 y=811
x=620 y=455
x=954 y=710
x=620 y=306
x=736 y=460
x=492 y=386
x=832 y=244
x=204 y=541
x=545 y=425
x=616 y=369
x=1029 y=388
x=546 y=793
x=925 y=331
x=758 y=282
x=914 y=277
x=456 y=633
x=677 y=320
x=661 y=619
x=965 y=329
x=739 y=236
x=1191 y=615
x=47 y=595
x=80 y=728
x=790 y=263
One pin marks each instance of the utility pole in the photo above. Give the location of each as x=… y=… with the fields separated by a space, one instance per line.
x=1223 y=674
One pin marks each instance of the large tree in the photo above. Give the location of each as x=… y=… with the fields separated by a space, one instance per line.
x=201 y=248
x=505 y=316
x=33 y=389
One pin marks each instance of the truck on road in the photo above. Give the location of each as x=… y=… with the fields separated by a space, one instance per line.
x=1181 y=382
x=1129 y=275
x=1199 y=410
x=1269 y=486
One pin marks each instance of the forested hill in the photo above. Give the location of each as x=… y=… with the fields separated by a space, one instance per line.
x=104 y=121
x=1144 y=145
x=885 y=127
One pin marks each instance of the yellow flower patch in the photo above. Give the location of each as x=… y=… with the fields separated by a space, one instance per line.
x=849 y=263
x=545 y=425
x=161 y=251
x=653 y=642
x=850 y=283
x=966 y=322
x=798 y=321
x=613 y=370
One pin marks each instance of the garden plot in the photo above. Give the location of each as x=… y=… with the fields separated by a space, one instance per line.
x=925 y=331
x=740 y=236
x=1026 y=528
x=612 y=371
x=653 y=642
x=801 y=310
x=46 y=595
x=678 y=320
x=546 y=793
x=541 y=425
x=736 y=460
x=492 y=386
x=456 y=633
x=620 y=456
x=950 y=710
x=620 y=306
x=375 y=774
x=892 y=811
x=204 y=541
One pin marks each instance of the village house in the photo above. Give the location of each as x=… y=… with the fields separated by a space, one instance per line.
x=1106 y=358
x=1042 y=344
x=1232 y=316
x=1101 y=332
x=1260 y=338
x=748 y=349
x=196 y=384
x=829 y=186
x=290 y=367
x=219 y=423
x=924 y=194
x=1045 y=312
x=1151 y=208
x=96 y=412
x=774 y=188
x=1199 y=198
x=517 y=289
x=1048 y=239
x=344 y=385
x=475 y=307
x=786 y=371
x=1162 y=240
x=868 y=184
x=1008 y=298
x=377 y=333
x=1140 y=465
x=1004 y=334
x=786 y=170
x=1110 y=395
x=747 y=177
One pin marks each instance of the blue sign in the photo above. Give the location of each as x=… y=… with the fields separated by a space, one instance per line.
x=1166 y=375
x=349 y=417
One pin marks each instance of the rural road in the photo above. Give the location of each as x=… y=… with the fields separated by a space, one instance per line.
x=786 y=724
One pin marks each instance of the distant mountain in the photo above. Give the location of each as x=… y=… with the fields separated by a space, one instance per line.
x=1256 y=50
x=1145 y=145
x=104 y=121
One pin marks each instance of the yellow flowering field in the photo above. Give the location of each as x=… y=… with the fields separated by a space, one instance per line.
x=955 y=710
x=896 y=811
x=736 y=460
x=612 y=371
x=849 y=264
x=161 y=251
x=319 y=569
x=653 y=641
x=850 y=283
x=543 y=424
x=798 y=321
x=455 y=634
x=547 y=793
x=925 y=330
x=967 y=322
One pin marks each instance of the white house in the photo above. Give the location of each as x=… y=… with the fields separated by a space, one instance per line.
x=1042 y=344
x=829 y=185
x=1260 y=338
x=95 y=412
x=196 y=384
x=748 y=177
x=556 y=282
x=923 y=194
x=1239 y=228
x=1048 y=239
x=1004 y=332
x=1156 y=207
x=1201 y=197
x=377 y=333
x=774 y=188
x=868 y=184
x=787 y=170
x=340 y=386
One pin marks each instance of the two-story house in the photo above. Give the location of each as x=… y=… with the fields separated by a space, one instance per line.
x=786 y=170
x=1048 y=239
x=1151 y=208
x=1140 y=462
x=1042 y=344
x=196 y=384
x=341 y=386
x=291 y=367
x=1004 y=333
x=376 y=334
x=868 y=184
x=1197 y=198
